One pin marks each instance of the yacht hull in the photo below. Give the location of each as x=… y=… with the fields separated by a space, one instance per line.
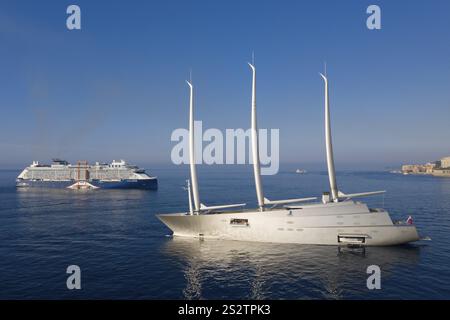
x=294 y=226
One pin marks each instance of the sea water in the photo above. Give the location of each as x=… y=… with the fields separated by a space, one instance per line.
x=125 y=252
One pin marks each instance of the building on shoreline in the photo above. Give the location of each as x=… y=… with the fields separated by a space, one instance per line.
x=444 y=162
x=439 y=168
x=419 y=168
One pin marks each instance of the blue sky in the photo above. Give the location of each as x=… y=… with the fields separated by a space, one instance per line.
x=116 y=89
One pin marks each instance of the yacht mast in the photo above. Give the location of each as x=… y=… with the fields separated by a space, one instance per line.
x=329 y=145
x=188 y=189
x=192 y=150
x=255 y=146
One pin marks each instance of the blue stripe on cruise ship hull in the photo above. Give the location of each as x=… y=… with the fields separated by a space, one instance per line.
x=149 y=184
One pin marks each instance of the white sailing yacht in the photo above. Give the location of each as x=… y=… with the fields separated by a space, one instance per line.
x=336 y=220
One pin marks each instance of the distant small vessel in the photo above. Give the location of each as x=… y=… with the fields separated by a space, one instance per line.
x=300 y=171
x=62 y=174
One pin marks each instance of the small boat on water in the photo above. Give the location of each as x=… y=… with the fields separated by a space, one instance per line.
x=336 y=220
x=300 y=171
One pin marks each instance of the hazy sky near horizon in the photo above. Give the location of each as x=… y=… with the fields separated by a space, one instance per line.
x=115 y=89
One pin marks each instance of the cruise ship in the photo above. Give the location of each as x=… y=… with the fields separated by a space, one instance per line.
x=62 y=174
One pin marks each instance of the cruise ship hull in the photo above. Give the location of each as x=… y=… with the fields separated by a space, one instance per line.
x=318 y=226
x=147 y=184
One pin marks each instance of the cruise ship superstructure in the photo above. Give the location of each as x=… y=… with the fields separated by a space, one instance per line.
x=335 y=220
x=61 y=174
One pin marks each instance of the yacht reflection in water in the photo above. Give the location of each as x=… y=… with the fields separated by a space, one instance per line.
x=252 y=270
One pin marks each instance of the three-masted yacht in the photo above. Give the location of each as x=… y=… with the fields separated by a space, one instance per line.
x=335 y=220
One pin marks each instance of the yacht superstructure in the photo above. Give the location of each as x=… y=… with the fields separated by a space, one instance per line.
x=336 y=220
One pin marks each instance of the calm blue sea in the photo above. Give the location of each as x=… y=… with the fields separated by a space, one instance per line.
x=124 y=252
